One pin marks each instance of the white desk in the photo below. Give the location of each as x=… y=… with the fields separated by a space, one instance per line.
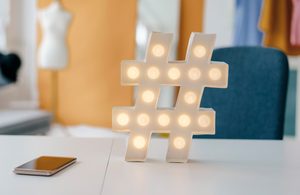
x=217 y=167
x=83 y=178
x=225 y=167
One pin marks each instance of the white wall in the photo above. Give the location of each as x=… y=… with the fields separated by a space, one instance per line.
x=22 y=40
x=158 y=16
x=219 y=19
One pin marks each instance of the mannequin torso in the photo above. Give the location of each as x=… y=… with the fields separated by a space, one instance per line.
x=53 y=51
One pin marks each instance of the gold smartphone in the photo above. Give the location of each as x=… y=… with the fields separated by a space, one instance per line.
x=45 y=165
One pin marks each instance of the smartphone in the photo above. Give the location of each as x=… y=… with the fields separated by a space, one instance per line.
x=45 y=165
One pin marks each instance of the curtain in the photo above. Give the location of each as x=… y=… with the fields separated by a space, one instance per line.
x=4 y=20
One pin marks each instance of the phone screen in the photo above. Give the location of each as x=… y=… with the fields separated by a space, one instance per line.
x=47 y=163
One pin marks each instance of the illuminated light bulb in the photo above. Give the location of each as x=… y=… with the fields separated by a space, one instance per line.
x=174 y=73
x=153 y=73
x=133 y=72
x=179 y=143
x=163 y=120
x=184 y=120
x=122 y=119
x=199 y=51
x=148 y=96
x=215 y=74
x=204 y=121
x=143 y=119
x=139 y=142
x=190 y=97
x=158 y=50
x=194 y=74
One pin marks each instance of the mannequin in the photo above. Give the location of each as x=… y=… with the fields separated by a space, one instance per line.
x=53 y=51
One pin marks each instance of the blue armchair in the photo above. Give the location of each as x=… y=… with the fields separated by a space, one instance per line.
x=253 y=105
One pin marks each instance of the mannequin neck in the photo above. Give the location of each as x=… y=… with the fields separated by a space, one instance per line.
x=55 y=6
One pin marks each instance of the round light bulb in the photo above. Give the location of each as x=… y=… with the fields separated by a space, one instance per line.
x=199 y=51
x=143 y=119
x=174 y=73
x=163 y=120
x=215 y=74
x=158 y=50
x=139 y=142
x=190 y=97
x=133 y=72
x=122 y=119
x=184 y=120
x=204 y=121
x=153 y=73
x=194 y=74
x=179 y=143
x=148 y=96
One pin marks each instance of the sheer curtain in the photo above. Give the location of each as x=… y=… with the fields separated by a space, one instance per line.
x=20 y=38
x=4 y=20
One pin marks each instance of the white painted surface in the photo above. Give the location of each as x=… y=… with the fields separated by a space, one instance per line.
x=225 y=167
x=85 y=177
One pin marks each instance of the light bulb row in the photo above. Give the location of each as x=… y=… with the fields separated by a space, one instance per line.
x=174 y=73
x=190 y=97
x=158 y=50
x=164 y=120
x=139 y=142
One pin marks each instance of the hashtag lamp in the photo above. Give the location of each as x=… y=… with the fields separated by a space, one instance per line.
x=184 y=120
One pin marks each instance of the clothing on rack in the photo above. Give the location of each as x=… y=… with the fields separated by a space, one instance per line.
x=247 y=17
x=295 y=25
x=275 y=22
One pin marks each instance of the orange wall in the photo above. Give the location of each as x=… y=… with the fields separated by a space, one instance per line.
x=101 y=35
x=191 y=20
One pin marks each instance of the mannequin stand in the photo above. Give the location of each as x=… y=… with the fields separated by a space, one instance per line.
x=54 y=93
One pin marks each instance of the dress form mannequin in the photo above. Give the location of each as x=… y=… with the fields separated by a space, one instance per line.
x=53 y=51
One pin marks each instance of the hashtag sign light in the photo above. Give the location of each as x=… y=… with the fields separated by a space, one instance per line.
x=186 y=118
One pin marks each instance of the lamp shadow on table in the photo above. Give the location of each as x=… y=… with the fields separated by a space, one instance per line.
x=228 y=163
x=190 y=161
x=194 y=161
x=154 y=160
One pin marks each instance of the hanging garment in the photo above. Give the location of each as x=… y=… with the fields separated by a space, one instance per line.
x=295 y=26
x=275 y=22
x=246 y=28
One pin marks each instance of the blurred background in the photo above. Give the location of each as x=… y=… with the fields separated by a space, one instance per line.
x=75 y=95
